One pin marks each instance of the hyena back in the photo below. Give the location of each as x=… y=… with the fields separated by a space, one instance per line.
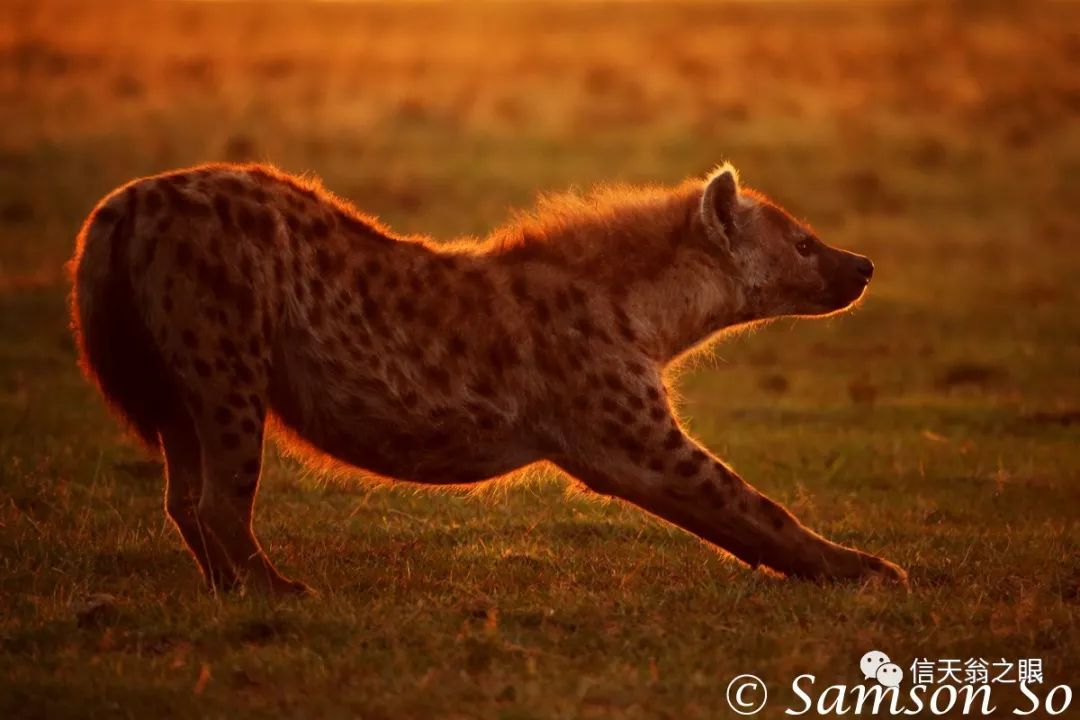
x=209 y=300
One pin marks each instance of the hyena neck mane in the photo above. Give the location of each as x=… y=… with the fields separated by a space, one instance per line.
x=645 y=248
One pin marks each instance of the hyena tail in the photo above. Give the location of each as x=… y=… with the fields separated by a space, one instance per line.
x=116 y=349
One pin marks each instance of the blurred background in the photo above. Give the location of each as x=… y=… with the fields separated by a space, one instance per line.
x=936 y=425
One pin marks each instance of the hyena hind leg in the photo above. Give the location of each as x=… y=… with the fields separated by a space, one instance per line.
x=183 y=488
x=232 y=464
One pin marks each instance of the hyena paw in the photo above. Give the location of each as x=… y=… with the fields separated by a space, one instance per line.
x=298 y=589
x=220 y=582
x=283 y=587
x=269 y=582
x=877 y=569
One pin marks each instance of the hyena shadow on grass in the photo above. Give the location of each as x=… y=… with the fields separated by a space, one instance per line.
x=211 y=302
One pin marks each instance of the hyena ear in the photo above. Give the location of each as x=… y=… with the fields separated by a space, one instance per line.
x=719 y=203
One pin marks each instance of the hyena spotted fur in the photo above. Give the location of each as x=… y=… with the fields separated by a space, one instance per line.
x=210 y=300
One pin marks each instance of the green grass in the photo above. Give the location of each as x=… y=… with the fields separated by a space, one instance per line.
x=937 y=425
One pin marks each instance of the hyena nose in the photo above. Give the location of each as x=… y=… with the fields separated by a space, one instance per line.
x=865 y=268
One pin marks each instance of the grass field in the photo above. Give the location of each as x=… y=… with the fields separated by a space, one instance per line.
x=938 y=425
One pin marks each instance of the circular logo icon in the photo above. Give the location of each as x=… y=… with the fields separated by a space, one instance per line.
x=746 y=694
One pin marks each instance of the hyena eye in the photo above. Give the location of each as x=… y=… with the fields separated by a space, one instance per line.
x=805 y=247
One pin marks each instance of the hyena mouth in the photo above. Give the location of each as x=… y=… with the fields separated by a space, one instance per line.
x=844 y=295
x=852 y=284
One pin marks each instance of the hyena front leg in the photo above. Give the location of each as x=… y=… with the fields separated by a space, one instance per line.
x=669 y=475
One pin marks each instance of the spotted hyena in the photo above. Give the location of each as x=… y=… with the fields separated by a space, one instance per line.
x=210 y=300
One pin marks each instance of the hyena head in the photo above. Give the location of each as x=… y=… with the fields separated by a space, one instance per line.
x=784 y=269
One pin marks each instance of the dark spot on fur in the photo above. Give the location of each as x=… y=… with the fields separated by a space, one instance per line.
x=503 y=354
x=154 y=201
x=543 y=312
x=429 y=317
x=264 y=226
x=243 y=373
x=184 y=255
x=585 y=326
x=390 y=282
x=630 y=445
x=233 y=185
x=318 y=289
x=686 y=468
x=712 y=494
x=673 y=440
x=406 y=308
x=776 y=514
x=519 y=287
x=324 y=260
x=223 y=415
x=224 y=213
x=245 y=265
x=360 y=282
x=245 y=302
x=201 y=367
x=484 y=388
x=279 y=270
x=562 y=301
x=106 y=214
x=267 y=326
x=613 y=381
x=244 y=219
x=315 y=316
x=439 y=377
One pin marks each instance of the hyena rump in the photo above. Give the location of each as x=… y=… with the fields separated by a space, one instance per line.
x=210 y=299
